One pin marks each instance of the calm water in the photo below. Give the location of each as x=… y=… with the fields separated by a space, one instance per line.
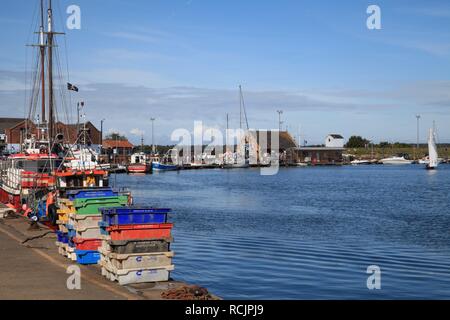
x=308 y=233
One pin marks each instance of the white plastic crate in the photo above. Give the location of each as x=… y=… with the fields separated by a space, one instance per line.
x=79 y=221
x=86 y=233
x=131 y=276
x=137 y=261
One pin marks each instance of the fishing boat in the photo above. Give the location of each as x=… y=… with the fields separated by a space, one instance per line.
x=158 y=166
x=167 y=163
x=46 y=166
x=139 y=164
x=396 y=160
x=432 y=151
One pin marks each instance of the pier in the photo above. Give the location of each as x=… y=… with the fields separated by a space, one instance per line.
x=34 y=270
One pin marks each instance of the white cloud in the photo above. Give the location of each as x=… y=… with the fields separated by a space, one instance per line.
x=128 y=108
x=137 y=132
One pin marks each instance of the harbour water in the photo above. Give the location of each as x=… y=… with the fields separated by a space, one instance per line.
x=308 y=233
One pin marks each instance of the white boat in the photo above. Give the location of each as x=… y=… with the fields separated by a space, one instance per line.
x=426 y=160
x=360 y=162
x=302 y=164
x=396 y=160
x=432 y=151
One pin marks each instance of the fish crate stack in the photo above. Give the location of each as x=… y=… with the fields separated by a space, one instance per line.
x=136 y=245
x=79 y=235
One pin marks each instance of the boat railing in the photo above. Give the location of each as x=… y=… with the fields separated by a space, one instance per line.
x=12 y=178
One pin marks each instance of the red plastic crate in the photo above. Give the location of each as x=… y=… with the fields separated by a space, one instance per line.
x=87 y=244
x=144 y=231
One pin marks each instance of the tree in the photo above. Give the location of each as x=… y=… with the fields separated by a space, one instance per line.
x=357 y=142
x=115 y=136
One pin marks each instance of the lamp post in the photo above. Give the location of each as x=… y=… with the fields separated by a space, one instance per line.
x=153 y=135
x=280 y=112
x=418 y=134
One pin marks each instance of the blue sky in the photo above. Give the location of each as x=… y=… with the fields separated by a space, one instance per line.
x=180 y=61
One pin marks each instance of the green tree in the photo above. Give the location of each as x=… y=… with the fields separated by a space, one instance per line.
x=357 y=142
x=115 y=136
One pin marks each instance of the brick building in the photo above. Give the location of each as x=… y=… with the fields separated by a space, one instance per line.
x=116 y=151
x=13 y=131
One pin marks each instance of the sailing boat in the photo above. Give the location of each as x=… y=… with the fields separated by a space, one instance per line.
x=432 y=151
x=237 y=159
x=32 y=177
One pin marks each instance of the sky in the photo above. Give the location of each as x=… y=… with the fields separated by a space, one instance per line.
x=181 y=61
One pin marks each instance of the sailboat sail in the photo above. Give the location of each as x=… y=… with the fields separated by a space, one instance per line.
x=432 y=150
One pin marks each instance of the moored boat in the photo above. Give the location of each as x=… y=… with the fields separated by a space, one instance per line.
x=139 y=164
x=360 y=162
x=396 y=160
x=158 y=166
x=46 y=165
x=432 y=151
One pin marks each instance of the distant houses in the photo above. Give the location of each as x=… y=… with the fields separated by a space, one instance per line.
x=334 y=141
x=290 y=152
x=329 y=154
x=14 y=131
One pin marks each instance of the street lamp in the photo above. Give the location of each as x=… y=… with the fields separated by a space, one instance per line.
x=418 y=134
x=280 y=112
x=153 y=135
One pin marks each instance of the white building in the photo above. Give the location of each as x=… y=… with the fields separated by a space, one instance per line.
x=334 y=141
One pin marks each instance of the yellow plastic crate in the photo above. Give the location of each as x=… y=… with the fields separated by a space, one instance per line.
x=63 y=215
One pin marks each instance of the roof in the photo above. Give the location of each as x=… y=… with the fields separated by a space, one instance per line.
x=8 y=123
x=285 y=139
x=111 y=144
x=336 y=136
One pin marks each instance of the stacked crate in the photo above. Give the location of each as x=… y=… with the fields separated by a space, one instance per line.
x=82 y=222
x=65 y=209
x=136 y=245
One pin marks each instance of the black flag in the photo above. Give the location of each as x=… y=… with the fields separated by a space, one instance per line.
x=71 y=87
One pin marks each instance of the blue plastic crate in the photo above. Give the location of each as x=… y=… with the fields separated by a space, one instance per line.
x=134 y=215
x=103 y=225
x=87 y=256
x=71 y=243
x=71 y=231
x=62 y=237
x=91 y=193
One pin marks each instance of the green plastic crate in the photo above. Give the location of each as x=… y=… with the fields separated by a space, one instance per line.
x=91 y=205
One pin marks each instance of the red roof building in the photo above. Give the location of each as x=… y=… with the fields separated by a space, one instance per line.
x=117 y=151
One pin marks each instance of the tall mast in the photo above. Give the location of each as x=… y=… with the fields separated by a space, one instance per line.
x=42 y=49
x=242 y=104
x=240 y=107
x=226 y=136
x=50 y=75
